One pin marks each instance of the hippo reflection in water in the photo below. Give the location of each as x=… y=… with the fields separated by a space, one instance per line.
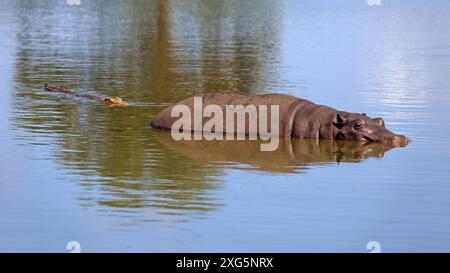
x=291 y=156
x=298 y=118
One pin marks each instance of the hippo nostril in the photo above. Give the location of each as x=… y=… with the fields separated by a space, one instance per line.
x=397 y=140
x=403 y=140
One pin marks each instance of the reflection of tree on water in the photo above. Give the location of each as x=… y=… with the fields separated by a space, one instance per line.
x=150 y=58
x=110 y=152
x=142 y=51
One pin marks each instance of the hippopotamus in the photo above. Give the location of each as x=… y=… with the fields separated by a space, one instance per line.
x=298 y=118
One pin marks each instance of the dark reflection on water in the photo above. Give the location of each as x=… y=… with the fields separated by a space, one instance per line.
x=75 y=169
x=136 y=56
x=292 y=156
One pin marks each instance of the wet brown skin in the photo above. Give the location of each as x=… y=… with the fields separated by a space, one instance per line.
x=108 y=101
x=299 y=118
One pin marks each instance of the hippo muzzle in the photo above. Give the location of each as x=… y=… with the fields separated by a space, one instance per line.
x=360 y=127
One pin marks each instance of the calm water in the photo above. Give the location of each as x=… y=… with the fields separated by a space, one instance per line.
x=73 y=169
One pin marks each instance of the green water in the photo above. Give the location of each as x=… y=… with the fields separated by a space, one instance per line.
x=75 y=170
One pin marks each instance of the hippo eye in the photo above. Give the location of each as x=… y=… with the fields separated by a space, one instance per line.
x=359 y=124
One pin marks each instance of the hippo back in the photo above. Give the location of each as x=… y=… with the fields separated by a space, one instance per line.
x=288 y=106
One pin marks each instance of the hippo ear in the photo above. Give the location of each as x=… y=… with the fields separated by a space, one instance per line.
x=340 y=121
x=380 y=121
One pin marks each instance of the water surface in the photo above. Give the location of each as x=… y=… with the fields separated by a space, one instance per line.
x=73 y=169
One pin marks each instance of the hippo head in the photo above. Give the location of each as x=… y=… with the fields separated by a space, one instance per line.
x=360 y=127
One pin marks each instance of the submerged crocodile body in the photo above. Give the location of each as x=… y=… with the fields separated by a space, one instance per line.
x=108 y=101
